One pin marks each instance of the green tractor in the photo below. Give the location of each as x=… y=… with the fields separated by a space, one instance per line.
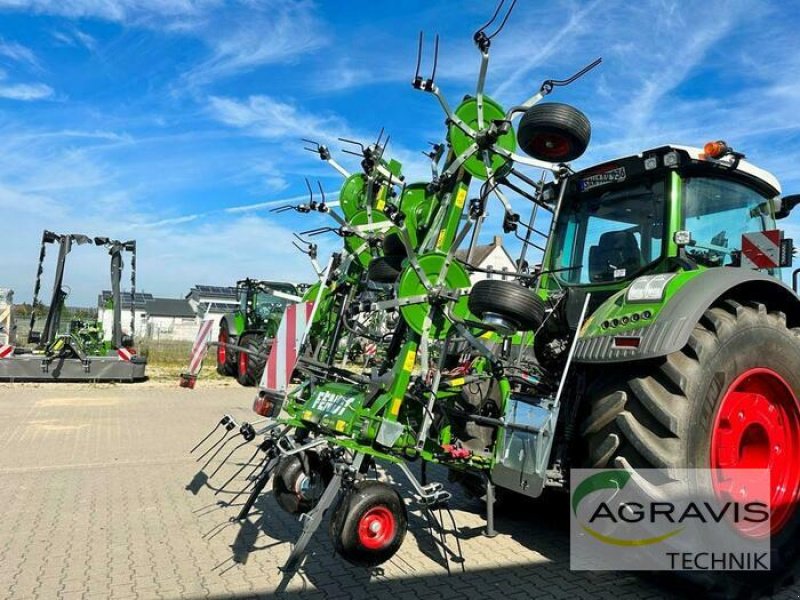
x=245 y=335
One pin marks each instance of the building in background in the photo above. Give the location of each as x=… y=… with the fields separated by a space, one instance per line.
x=492 y=257
x=211 y=301
x=170 y=319
x=105 y=312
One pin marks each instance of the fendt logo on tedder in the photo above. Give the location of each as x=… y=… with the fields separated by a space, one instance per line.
x=623 y=520
x=331 y=403
x=652 y=512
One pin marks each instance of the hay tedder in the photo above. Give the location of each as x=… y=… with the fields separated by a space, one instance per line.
x=656 y=333
x=77 y=352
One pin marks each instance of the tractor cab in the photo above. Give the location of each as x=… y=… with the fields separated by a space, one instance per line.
x=656 y=212
x=263 y=301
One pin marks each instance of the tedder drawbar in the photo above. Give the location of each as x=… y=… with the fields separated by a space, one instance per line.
x=657 y=333
x=77 y=352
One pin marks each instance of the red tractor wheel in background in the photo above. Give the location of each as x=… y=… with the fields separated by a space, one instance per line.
x=369 y=524
x=251 y=364
x=225 y=360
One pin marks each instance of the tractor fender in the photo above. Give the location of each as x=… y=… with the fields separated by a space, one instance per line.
x=674 y=323
x=229 y=322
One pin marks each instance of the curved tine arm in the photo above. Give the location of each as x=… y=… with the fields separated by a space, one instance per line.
x=524 y=160
x=388 y=176
x=494 y=185
x=460 y=160
x=451 y=116
x=481 y=84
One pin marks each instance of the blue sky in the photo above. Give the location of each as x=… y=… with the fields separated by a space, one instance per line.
x=175 y=121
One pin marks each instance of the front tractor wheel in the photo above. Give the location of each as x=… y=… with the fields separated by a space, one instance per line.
x=727 y=401
x=369 y=524
x=226 y=363
x=251 y=364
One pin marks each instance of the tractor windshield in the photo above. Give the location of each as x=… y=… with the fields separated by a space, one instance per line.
x=269 y=305
x=609 y=235
x=716 y=213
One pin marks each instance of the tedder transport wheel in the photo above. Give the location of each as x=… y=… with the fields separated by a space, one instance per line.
x=298 y=488
x=226 y=363
x=554 y=132
x=369 y=523
x=734 y=385
x=251 y=367
x=384 y=269
x=496 y=300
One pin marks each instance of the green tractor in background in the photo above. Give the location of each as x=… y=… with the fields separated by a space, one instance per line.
x=245 y=335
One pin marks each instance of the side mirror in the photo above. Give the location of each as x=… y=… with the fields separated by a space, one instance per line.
x=787 y=203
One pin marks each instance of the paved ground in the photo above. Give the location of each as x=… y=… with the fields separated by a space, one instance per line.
x=100 y=499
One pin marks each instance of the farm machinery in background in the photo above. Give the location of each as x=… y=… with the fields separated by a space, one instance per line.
x=8 y=324
x=76 y=351
x=245 y=334
x=657 y=334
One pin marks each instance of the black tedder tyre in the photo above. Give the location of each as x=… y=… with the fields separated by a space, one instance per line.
x=369 y=524
x=384 y=269
x=554 y=132
x=684 y=411
x=251 y=366
x=509 y=300
x=226 y=361
x=296 y=489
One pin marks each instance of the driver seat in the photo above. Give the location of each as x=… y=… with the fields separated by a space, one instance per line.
x=614 y=250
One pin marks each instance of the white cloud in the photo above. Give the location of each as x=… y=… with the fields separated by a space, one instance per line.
x=268 y=33
x=266 y=117
x=18 y=53
x=25 y=91
x=113 y=10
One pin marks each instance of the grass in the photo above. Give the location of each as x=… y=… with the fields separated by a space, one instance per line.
x=167 y=360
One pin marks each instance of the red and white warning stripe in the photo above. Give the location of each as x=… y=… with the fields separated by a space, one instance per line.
x=286 y=346
x=199 y=346
x=125 y=354
x=371 y=349
x=6 y=350
x=762 y=249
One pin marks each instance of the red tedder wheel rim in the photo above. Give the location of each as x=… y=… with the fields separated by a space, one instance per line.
x=757 y=426
x=376 y=528
x=222 y=351
x=242 y=363
x=551 y=145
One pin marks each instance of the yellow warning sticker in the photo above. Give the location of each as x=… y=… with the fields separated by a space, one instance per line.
x=457 y=382
x=380 y=201
x=395 y=407
x=440 y=241
x=408 y=364
x=340 y=425
x=461 y=196
x=307 y=415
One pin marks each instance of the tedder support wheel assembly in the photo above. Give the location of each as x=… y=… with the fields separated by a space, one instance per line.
x=369 y=523
x=734 y=385
x=226 y=362
x=494 y=299
x=554 y=132
x=251 y=366
x=384 y=269
x=298 y=487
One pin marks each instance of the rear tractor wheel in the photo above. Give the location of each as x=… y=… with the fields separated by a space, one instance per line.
x=726 y=401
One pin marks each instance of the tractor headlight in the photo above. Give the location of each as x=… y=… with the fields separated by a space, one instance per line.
x=649 y=288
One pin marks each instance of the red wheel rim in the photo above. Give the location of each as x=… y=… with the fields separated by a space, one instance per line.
x=757 y=426
x=222 y=351
x=242 y=363
x=550 y=145
x=376 y=528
